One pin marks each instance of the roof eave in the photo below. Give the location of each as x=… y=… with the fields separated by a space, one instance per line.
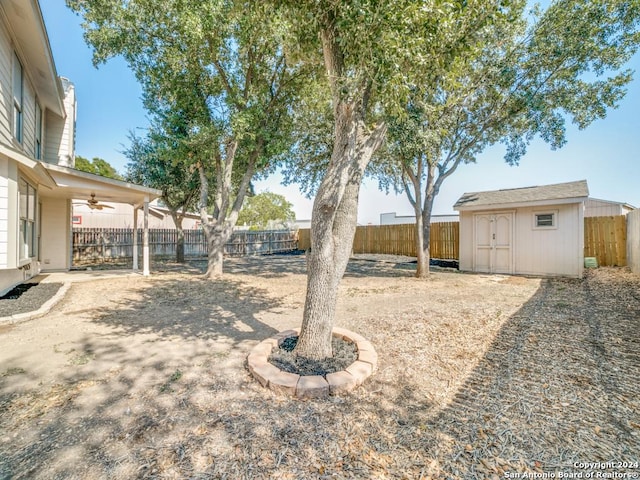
x=506 y=206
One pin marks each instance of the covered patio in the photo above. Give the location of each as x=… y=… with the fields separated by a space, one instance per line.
x=67 y=185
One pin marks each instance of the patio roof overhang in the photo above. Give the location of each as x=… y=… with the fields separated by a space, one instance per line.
x=74 y=184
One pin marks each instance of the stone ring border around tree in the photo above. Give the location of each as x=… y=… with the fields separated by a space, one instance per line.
x=312 y=386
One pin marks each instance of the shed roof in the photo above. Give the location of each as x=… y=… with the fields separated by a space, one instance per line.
x=539 y=195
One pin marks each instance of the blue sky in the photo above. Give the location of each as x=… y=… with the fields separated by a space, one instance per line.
x=606 y=154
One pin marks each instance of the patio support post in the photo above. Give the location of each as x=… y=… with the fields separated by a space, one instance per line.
x=135 y=237
x=145 y=238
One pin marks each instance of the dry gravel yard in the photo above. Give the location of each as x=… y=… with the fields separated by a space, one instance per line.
x=479 y=376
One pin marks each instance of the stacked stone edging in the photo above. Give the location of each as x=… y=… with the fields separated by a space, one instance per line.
x=312 y=386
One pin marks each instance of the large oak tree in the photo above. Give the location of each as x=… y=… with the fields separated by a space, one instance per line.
x=526 y=79
x=222 y=65
x=373 y=53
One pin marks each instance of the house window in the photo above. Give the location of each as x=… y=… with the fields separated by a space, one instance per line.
x=38 y=151
x=17 y=98
x=545 y=220
x=27 y=207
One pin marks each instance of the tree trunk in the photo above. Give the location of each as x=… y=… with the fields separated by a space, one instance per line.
x=219 y=230
x=180 y=246
x=177 y=221
x=422 y=270
x=422 y=228
x=333 y=226
x=425 y=219
x=217 y=237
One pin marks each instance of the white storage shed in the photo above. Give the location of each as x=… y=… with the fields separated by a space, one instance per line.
x=528 y=231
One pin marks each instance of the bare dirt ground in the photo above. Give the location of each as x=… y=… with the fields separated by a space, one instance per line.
x=479 y=376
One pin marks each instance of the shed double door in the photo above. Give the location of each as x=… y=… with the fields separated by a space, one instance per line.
x=493 y=242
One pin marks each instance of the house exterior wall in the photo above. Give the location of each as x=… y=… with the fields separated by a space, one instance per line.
x=66 y=151
x=29 y=118
x=4 y=213
x=14 y=270
x=59 y=133
x=12 y=217
x=7 y=51
x=6 y=55
x=535 y=251
x=55 y=234
x=52 y=137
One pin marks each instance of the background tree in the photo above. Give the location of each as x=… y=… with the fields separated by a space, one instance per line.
x=523 y=81
x=266 y=210
x=162 y=160
x=97 y=166
x=222 y=65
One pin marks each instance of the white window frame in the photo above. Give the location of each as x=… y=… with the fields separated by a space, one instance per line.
x=554 y=220
x=17 y=77
x=27 y=206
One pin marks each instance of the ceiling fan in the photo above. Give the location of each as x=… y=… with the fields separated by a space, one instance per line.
x=93 y=204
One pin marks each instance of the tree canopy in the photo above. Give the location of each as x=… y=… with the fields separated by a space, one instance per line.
x=97 y=166
x=266 y=210
x=219 y=65
x=527 y=79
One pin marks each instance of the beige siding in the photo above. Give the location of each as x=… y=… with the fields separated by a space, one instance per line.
x=10 y=275
x=466 y=241
x=11 y=278
x=535 y=251
x=6 y=100
x=54 y=127
x=55 y=234
x=58 y=135
x=29 y=119
x=12 y=217
x=66 y=155
x=6 y=55
x=4 y=213
x=599 y=208
x=554 y=251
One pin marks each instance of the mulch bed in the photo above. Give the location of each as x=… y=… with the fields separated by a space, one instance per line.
x=344 y=354
x=27 y=297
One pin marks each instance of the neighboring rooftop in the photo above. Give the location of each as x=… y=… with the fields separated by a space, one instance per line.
x=560 y=191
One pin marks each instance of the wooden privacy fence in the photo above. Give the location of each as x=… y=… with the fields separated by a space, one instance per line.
x=100 y=245
x=604 y=238
x=400 y=240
